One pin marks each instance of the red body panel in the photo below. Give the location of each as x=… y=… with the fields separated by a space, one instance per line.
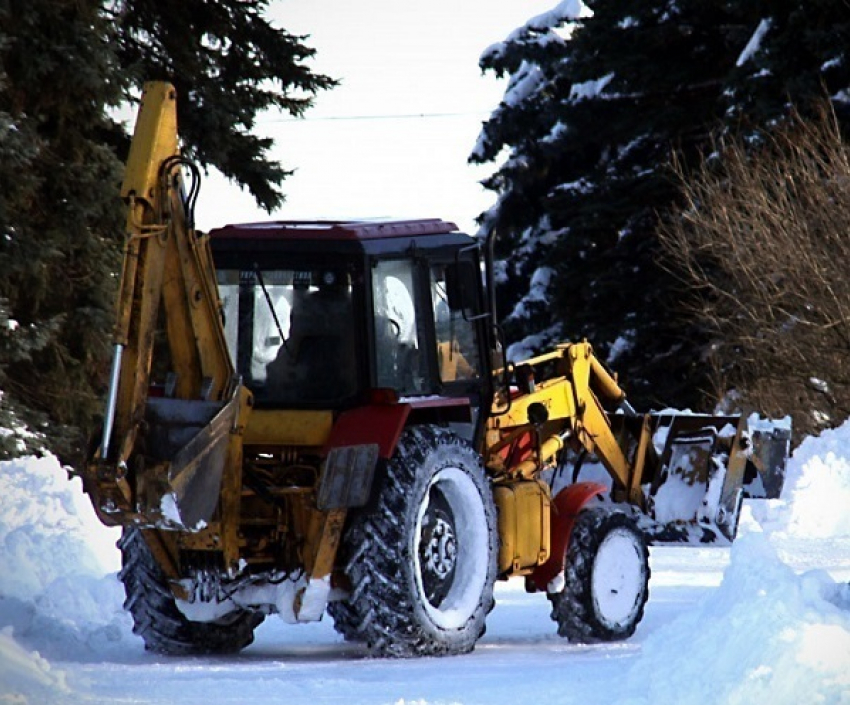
x=380 y=424
x=565 y=508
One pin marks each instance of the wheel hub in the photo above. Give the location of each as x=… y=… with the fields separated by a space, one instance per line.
x=438 y=549
x=441 y=549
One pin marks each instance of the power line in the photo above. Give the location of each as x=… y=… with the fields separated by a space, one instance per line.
x=399 y=116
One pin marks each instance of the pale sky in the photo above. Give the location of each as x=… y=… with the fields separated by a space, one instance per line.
x=393 y=139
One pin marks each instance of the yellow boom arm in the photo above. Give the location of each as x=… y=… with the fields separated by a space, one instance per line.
x=568 y=408
x=168 y=278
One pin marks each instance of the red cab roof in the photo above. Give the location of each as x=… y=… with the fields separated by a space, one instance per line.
x=334 y=229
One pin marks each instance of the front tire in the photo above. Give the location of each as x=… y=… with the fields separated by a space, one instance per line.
x=421 y=557
x=156 y=617
x=606 y=579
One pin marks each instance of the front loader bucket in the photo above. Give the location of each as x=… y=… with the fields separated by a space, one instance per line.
x=708 y=464
x=771 y=446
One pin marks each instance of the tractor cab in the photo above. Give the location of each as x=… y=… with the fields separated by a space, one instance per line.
x=323 y=314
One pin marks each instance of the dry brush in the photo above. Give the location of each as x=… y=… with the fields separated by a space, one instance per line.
x=762 y=245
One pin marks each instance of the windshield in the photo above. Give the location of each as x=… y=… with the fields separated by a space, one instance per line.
x=291 y=333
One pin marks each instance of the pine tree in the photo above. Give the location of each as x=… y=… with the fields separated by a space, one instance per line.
x=796 y=56
x=586 y=180
x=17 y=184
x=601 y=96
x=228 y=64
x=59 y=217
x=63 y=64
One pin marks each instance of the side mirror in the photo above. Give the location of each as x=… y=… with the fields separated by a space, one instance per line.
x=461 y=285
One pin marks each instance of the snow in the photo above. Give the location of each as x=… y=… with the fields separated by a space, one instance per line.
x=45 y=515
x=168 y=508
x=815 y=502
x=755 y=42
x=22 y=670
x=523 y=83
x=542 y=27
x=537 y=292
x=529 y=346
x=314 y=599
x=280 y=593
x=767 y=620
x=565 y=10
x=765 y=635
x=819 y=385
x=590 y=89
x=21 y=433
x=623 y=344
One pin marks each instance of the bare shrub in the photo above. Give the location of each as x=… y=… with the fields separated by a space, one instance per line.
x=762 y=243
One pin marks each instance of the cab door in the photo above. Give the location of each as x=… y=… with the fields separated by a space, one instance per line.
x=428 y=334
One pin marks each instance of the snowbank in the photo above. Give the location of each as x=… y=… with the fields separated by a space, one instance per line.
x=766 y=635
x=59 y=597
x=48 y=528
x=815 y=501
x=25 y=677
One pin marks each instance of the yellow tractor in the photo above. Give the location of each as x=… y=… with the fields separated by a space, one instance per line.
x=312 y=417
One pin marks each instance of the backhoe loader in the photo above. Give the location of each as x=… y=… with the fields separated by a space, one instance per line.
x=311 y=417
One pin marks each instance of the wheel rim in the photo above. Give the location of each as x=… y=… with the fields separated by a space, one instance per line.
x=451 y=549
x=618 y=578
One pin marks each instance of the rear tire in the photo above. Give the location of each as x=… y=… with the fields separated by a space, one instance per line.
x=606 y=579
x=421 y=557
x=156 y=617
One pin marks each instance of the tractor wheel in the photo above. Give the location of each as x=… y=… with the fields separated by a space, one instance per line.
x=420 y=558
x=606 y=579
x=156 y=617
x=346 y=621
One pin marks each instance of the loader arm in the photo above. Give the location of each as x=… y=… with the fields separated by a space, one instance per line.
x=574 y=414
x=688 y=489
x=167 y=281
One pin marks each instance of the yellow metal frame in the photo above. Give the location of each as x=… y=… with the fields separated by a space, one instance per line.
x=573 y=401
x=283 y=427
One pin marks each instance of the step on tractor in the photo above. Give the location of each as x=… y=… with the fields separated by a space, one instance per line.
x=312 y=417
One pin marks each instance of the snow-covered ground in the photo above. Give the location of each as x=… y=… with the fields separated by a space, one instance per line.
x=767 y=621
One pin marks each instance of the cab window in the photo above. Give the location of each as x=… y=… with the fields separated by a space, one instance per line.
x=457 y=348
x=399 y=360
x=291 y=333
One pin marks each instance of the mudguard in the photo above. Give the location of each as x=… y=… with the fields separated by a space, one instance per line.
x=565 y=508
x=358 y=438
x=378 y=424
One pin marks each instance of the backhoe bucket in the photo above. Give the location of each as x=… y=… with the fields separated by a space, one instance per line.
x=190 y=439
x=709 y=464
